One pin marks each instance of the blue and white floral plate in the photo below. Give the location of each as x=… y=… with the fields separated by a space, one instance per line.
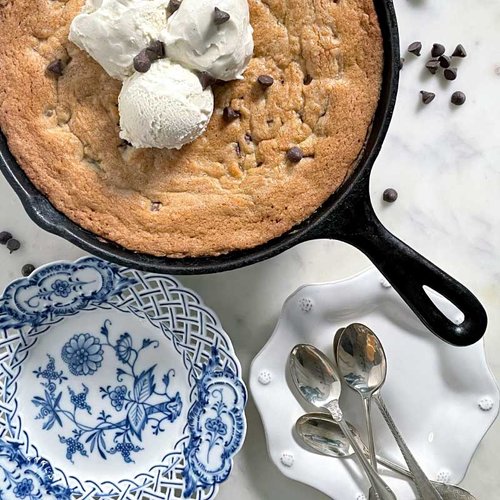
x=114 y=384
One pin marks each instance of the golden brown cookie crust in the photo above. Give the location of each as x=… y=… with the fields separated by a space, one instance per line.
x=233 y=187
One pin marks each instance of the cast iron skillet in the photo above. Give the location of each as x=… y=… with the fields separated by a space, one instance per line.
x=347 y=215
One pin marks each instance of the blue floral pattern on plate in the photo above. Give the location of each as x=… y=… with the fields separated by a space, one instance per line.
x=216 y=422
x=139 y=400
x=134 y=405
x=30 y=478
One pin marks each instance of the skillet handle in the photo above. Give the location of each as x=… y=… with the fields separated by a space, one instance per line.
x=408 y=272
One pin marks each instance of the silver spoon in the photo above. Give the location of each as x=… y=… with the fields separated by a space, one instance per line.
x=322 y=434
x=362 y=362
x=374 y=371
x=317 y=381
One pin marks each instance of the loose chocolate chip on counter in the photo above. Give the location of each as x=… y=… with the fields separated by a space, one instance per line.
x=265 y=80
x=459 y=51
x=13 y=245
x=450 y=73
x=5 y=236
x=437 y=50
x=27 y=269
x=445 y=61
x=427 y=97
x=401 y=63
x=206 y=79
x=229 y=114
x=390 y=195
x=142 y=63
x=295 y=154
x=220 y=17
x=415 y=48
x=56 y=67
x=432 y=65
x=458 y=98
x=155 y=50
x=174 y=5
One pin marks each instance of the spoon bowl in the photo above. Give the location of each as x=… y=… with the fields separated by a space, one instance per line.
x=319 y=432
x=314 y=376
x=361 y=359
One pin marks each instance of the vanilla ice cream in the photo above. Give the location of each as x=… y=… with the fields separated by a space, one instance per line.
x=113 y=32
x=194 y=40
x=164 y=108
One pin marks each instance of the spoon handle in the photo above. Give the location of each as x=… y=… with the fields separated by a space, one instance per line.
x=367 y=403
x=378 y=484
x=424 y=486
x=447 y=491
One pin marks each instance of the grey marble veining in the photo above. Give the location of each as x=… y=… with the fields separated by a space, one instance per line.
x=445 y=163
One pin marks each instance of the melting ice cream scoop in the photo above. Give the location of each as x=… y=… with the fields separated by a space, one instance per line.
x=165 y=107
x=211 y=35
x=113 y=32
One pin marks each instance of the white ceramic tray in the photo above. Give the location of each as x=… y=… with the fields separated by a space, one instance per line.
x=114 y=384
x=443 y=398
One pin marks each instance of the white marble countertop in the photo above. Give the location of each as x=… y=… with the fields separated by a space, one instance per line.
x=445 y=163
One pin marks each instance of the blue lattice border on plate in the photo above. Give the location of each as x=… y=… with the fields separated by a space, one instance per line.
x=31 y=306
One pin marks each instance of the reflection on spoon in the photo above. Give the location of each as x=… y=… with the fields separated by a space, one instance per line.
x=362 y=362
x=317 y=381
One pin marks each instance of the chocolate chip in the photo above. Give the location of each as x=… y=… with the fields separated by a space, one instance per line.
x=295 y=154
x=220 y=17
x=155 y=50
x=155 y=206
x=390 y=195
x=229 y=114
x=27 y=269
x=56 y=67
x=432 y=65
x=458 y=98
x=415 y=48
x=437 y=50
x=13 y=245
x=445 y=61
x=5 y=236
x=308 y=79
x=142 y=63
x=459 y=51
x=401 y=63
x=427 y=97
x=450 y=73
x=237 y=149
x=248 y=138
x=265 y=80
x=206 y=79
x=174 y=5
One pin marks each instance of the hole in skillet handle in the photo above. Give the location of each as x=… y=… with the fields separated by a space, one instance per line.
x=449 y=309
x=409 y=273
